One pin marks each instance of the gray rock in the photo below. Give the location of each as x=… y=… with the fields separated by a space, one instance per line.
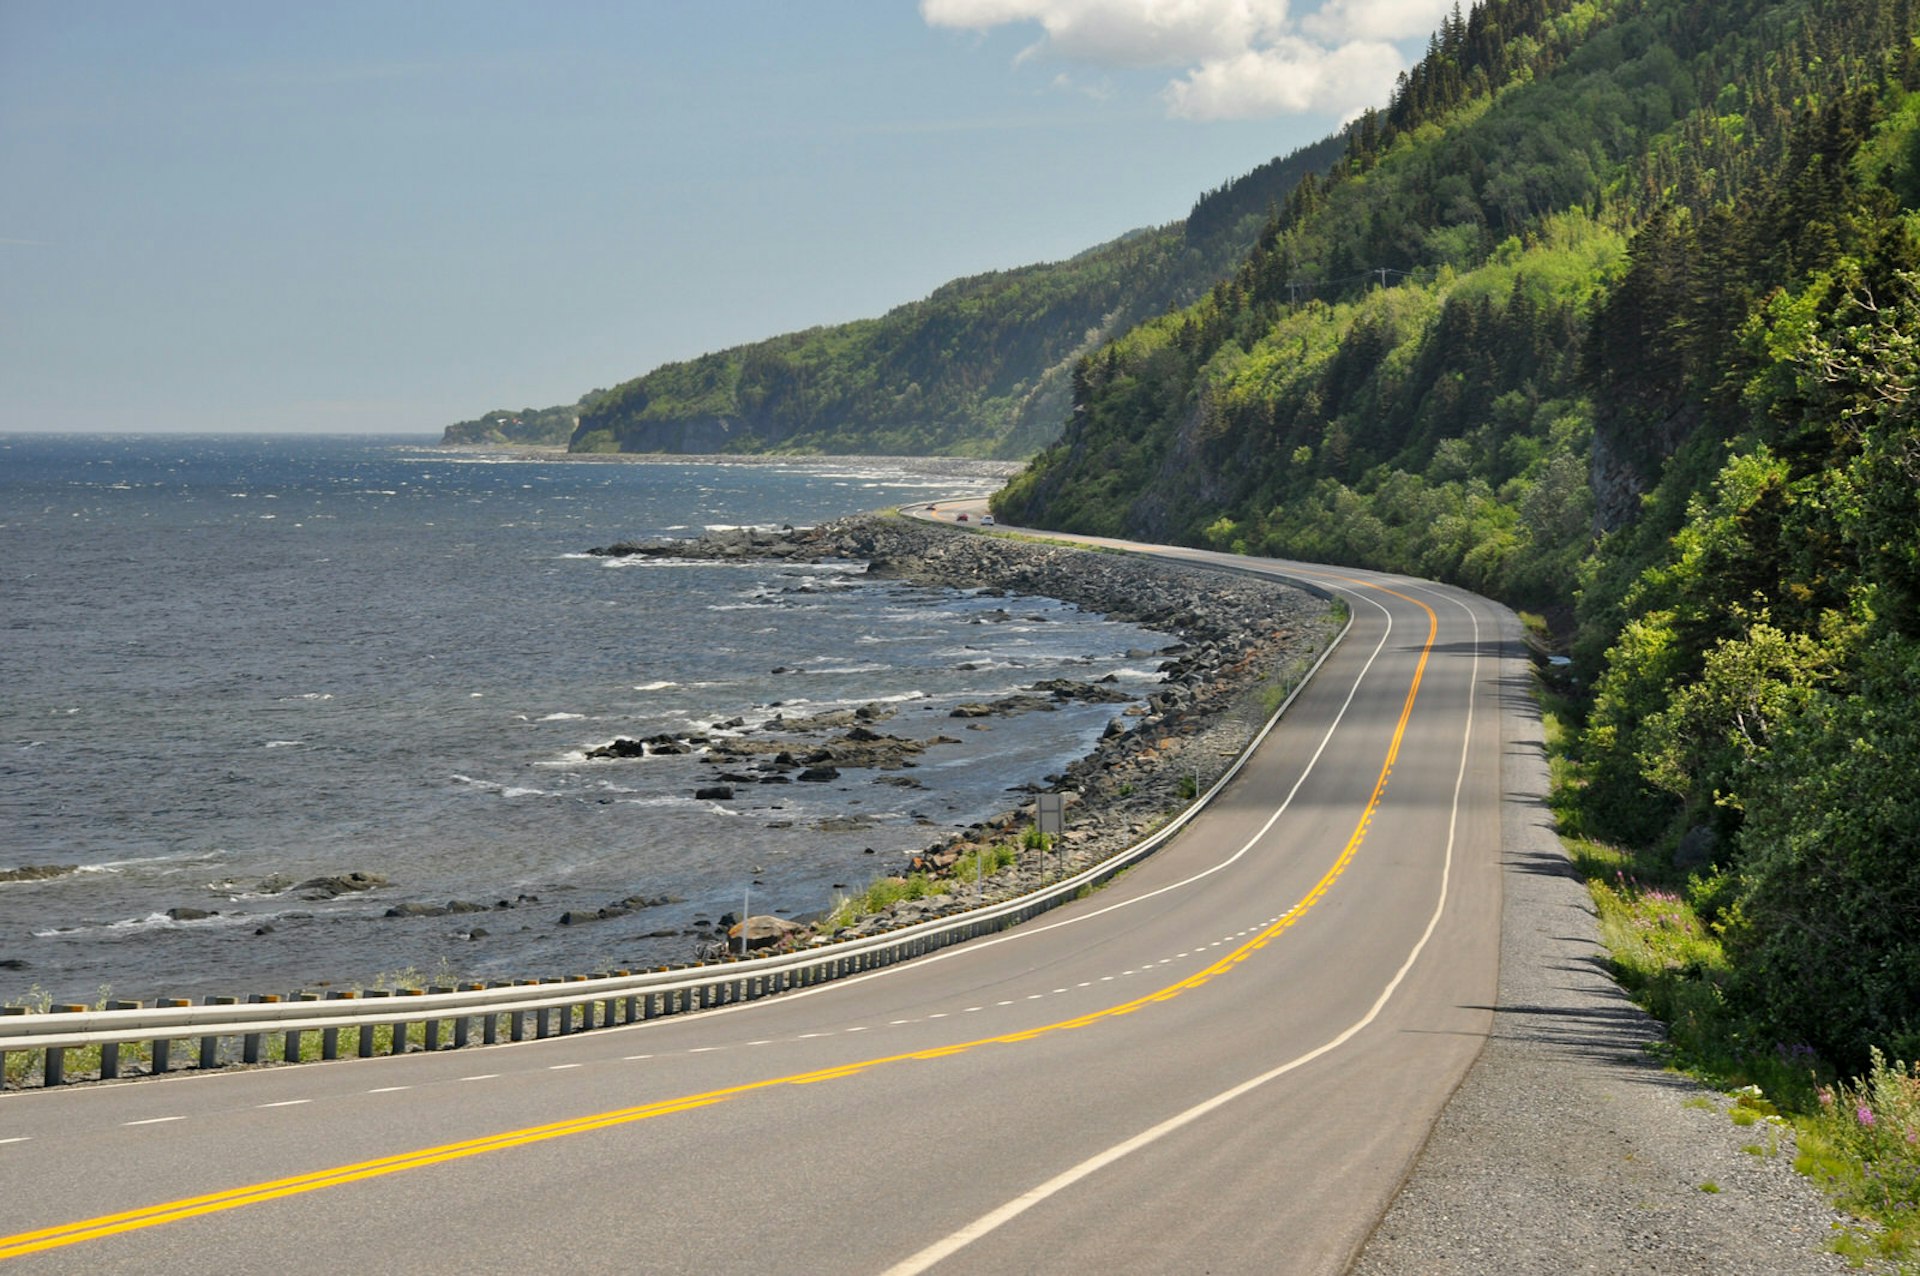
x=339 y=884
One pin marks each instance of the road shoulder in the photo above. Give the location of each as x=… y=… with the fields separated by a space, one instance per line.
x=1567 y=1147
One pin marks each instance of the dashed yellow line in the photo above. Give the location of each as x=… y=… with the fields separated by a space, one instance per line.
x=22 y=1243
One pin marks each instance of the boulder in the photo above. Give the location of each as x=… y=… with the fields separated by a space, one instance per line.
x=765 y=931
x=36 y=872
x=339 y=884
x=417 y=910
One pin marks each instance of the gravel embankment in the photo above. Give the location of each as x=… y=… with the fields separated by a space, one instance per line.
x=1568 y=1148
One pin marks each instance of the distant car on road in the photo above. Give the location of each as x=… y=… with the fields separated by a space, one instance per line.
x=986 y=520
x=959 y=518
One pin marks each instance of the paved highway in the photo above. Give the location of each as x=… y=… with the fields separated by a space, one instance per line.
x=1225 y=1061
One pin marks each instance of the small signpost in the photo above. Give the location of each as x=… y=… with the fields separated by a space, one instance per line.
x=1050 y=813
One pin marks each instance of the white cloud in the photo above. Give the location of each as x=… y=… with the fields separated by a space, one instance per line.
x=1290 y=77
x=1240 y=59
x=1132 y=33
x=1341 y=20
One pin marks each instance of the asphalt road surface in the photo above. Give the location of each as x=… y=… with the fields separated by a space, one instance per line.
x=1224 y=1061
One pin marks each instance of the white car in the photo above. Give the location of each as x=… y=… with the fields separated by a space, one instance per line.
x=986 y=520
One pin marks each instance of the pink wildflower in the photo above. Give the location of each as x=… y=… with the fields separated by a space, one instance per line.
x=1826 y=1097
x=1864 y=1115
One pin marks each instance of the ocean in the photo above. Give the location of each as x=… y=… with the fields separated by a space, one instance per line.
x=233 y=665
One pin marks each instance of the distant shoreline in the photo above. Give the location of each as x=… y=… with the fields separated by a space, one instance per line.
x=957 y=466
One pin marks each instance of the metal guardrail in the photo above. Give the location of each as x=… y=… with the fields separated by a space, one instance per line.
x=533 y=1009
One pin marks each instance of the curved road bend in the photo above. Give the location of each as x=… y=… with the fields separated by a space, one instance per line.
x=1225 y=1061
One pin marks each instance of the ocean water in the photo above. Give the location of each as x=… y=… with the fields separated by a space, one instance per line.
x=231 y=664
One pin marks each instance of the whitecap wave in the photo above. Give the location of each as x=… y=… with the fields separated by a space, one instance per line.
x=502 y=790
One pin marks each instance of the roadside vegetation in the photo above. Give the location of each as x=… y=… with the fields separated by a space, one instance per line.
x=1665 y=929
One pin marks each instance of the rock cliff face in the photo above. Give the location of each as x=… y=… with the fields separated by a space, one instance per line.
x=692 y=436
x=1622 y=467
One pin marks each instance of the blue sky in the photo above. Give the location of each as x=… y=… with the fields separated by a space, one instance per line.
x=244 y=216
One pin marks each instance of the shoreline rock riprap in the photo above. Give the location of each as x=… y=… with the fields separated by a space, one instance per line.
x=1234 y=639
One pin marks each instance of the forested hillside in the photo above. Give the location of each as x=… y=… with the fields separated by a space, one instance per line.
x=979 y=368
x=542 y=427
x=1613 y=313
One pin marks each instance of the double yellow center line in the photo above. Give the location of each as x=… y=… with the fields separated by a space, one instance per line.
x=105 y=1225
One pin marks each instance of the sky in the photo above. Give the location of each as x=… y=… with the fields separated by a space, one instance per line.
x=346 y=217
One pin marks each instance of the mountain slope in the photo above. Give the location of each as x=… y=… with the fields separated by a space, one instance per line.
x=1611 y=313
x=980 y=367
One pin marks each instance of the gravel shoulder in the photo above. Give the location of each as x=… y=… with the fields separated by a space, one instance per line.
x=1568 y=1148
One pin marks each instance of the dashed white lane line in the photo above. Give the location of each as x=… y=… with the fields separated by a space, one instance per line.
x=285 y=1103
x=154 y=1120
x=807 y=1036
x=390 y=1089
x=21 y=1138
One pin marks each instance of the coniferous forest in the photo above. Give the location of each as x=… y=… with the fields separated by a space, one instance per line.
x=1614 y=314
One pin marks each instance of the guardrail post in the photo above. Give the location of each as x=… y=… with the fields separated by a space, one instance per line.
x=110 y=1052
x=431 y=1039
x=462 y=1026
x=540 y=1027
x=517 y=1018
x=210 y=1045
x=290 y=1048
x=8 y=1010
x=330 y=1037
x=163 y=1046
x=56 y=1070
x=366 y=1029
x=250 y=1044
x=490 y=1023
x=402 y=1031
x=597 y=1013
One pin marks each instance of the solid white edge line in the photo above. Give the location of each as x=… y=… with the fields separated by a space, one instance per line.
x=986 y=1223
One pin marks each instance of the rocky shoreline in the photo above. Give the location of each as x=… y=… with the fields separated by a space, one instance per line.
x=1235 y=644
x=1238 y=643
